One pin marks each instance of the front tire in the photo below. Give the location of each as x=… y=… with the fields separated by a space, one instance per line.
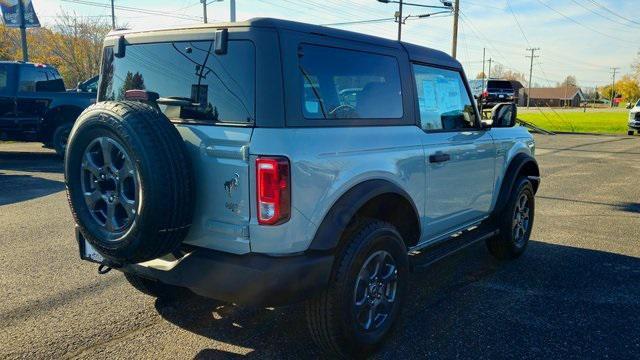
x=630 y=132
x=514 y=223
x=363 y=302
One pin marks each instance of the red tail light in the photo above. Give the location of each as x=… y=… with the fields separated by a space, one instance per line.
x=273 y=187
x=485 y=94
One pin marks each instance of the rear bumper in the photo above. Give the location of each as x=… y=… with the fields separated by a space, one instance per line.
x=252 y=279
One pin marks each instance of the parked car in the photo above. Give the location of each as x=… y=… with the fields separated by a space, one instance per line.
x=35 y=106
x=634 y=119
x=88 y=86
x=498 y=91
x=286 y=162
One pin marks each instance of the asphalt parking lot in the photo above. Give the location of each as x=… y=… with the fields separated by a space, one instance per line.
x=574 y=294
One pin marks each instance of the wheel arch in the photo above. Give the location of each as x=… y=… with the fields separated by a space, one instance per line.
x=521 y=165
x=380 y=199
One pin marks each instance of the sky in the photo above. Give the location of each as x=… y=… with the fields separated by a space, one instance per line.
x=584 y=38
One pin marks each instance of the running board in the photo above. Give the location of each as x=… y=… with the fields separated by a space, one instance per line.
x=435 y=252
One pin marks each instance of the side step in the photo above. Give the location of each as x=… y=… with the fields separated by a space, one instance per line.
x=437 y=251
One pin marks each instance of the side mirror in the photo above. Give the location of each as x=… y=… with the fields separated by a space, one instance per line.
x=504 y=115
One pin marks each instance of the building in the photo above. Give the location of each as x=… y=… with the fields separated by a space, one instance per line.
x=563 y=96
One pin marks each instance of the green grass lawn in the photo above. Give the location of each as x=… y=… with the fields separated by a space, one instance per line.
x=592 y=121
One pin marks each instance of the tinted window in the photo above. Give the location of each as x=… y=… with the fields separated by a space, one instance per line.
x=443 y=99
x=206 y=86
x=498 y=84
x=345 y=84
x=40 y=79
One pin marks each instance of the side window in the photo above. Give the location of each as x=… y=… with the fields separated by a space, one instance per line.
x=347 y=84
x=443 y=99
x=187 y=80
x=31 y=78
x=39 y=79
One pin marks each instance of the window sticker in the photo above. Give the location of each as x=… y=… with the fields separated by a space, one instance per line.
x=449 y=95
x=430 y=102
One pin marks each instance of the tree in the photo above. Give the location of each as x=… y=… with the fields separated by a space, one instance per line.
x=570 y=80
x=497 y=71
x=627 y=87
x=481 y=75
x=73 y=45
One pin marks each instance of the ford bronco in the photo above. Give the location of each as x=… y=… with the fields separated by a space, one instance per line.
x=268 y=162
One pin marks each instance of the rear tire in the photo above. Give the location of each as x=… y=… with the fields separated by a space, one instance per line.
x=630 y=132
x=514 y=223
x=60 y=138
x=339 y=319
x=154 y=288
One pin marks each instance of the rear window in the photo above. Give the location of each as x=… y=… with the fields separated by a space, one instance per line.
x=497 y=84
x=346 y=84
x=40 y=79
x=204 y=86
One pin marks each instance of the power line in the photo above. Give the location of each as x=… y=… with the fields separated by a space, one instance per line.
x=612 y=12
x=136 y=10
x=579 y=23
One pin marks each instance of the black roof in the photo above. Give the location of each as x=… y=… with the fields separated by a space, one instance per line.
x=416 y=52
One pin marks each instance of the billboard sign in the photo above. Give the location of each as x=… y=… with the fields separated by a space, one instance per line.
x=11 y=13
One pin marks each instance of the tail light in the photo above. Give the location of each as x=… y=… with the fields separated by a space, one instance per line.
x=273 y=187
x=485 y=94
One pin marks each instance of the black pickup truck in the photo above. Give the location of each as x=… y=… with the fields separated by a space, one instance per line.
x=35 y=105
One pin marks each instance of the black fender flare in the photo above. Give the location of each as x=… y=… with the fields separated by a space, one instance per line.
x=519 y=163
x=337 y=219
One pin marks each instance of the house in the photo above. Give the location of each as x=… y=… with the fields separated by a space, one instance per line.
x=557 y=97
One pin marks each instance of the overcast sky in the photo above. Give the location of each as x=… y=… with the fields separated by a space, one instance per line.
x=584 y=38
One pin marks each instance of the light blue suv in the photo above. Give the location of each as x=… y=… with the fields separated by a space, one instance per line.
x=268 y=162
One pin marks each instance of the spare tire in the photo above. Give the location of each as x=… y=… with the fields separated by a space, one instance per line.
x=129 y=181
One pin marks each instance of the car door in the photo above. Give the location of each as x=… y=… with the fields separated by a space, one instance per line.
x=460 y=155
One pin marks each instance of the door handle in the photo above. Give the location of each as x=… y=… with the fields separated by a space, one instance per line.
x=439 y=157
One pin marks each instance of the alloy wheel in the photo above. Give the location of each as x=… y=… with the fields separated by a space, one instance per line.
x=375 y=290
x=110 y=184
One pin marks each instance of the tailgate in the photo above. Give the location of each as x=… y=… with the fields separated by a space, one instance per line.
x=219 y=155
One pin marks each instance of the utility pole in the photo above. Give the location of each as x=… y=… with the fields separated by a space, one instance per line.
x=532 y=56
x=484 y=53
x=400 y=20
x=23 y=32
x=456 y=12
x=613 y=84
x=232 y=10
x=113 y=15
x=204 y=10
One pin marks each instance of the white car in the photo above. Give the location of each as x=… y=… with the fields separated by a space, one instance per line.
x=634 y=119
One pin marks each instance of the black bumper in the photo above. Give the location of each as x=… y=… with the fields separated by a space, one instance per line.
x=251 y=279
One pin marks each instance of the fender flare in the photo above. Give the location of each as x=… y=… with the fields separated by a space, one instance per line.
x=516 y=166
x=337 y=219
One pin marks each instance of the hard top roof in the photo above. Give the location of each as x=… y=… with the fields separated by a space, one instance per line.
x=415 y=52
